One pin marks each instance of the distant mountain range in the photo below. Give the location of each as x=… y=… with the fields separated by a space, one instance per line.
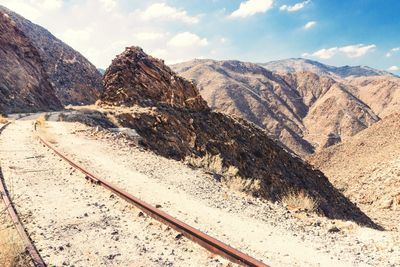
x=305 y=104
x=305 y=65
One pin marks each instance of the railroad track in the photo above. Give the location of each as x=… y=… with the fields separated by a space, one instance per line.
x=29 y=246
x=211 y=244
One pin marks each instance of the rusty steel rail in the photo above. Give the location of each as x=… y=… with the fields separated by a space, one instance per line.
x=29 y=246
x=211 y=244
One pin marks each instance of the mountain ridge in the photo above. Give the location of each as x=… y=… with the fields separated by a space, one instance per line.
x=292 y=106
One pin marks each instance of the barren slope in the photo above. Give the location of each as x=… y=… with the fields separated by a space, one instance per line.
x=367 y=169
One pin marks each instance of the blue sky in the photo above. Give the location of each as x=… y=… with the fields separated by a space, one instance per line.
x=339 y=32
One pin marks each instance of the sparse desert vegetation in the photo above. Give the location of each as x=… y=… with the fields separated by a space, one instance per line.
x=3 y=120
x=41 y=121
x=12 y=253
x=299 y=200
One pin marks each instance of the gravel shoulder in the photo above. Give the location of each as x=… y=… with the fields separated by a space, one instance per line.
x=262 y=229
x=74 y=223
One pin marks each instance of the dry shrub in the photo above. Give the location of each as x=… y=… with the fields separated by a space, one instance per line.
x=3 y=120
x=41 y=121
x=230 y=176
x=239 y=183
x=299 y=201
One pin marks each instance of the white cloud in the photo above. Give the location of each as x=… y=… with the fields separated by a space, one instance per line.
x=310 y=25
x=48 y=4
x=392 y=51
x=295 y=7
x=326 y=53
x=350 y=51
x=32 y=9
x=394 y=68
x=186 y=39
x=163 y=11
x=357 y=50
x=159 y=53
x=76 y=38
x=149 y=36
x=108 y=5
x=251 y=7
x=223 y=40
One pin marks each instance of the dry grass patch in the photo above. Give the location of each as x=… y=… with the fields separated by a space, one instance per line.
x=229 y=175
x=41 y=121
x=299 y=201
x=3 y=120
x=12 y=251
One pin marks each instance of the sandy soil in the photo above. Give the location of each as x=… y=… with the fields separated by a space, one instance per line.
x=264 y=230
x=74 y=223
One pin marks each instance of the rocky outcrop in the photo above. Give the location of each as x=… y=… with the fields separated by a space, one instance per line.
x=147 y=81
x=238 y=152
x=24 y=83
x=73 y=78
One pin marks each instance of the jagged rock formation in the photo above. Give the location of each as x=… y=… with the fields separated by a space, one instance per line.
x=73 y=78
x=236 y=151
x=367 y=168
x=24 y=84
x=147 y=81
x=304 y=110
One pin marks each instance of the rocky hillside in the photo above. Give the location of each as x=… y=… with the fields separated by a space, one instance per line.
x=24 y=84
x=174 y=121
x=367 y=169
x=304 y=110
x=73 y=78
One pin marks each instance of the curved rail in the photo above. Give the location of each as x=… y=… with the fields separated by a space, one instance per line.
x=213 y=245
x=29 y=246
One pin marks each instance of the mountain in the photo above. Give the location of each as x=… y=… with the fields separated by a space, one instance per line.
x=174 y=121
x=73 y=78
x=293 y=65
x=304 y=110
x=367 y=169
x=24 y=84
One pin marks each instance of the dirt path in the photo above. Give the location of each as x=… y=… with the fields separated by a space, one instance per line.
x=261 y=229
x=77 y=224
